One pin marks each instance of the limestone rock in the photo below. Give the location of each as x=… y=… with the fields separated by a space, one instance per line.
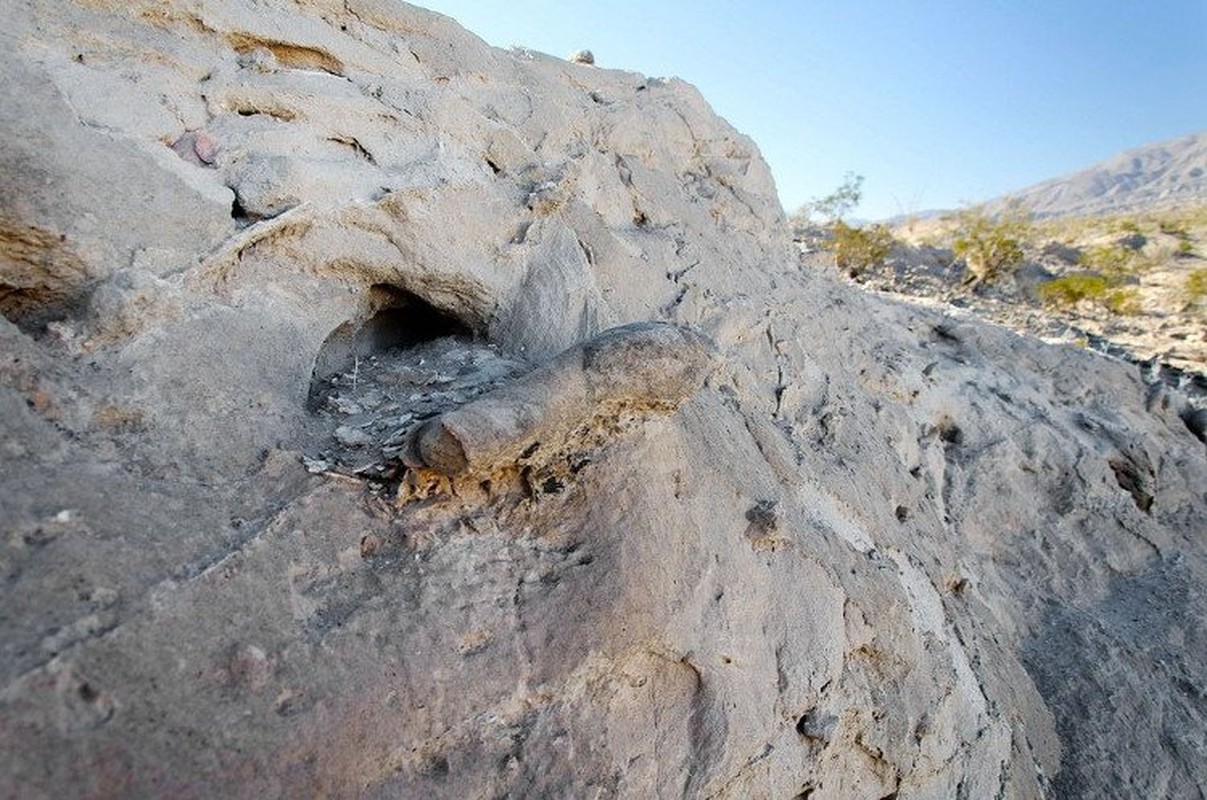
x=862 y=549
x=634 y=369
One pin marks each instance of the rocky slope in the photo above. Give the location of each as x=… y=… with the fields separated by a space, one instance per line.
x=386 y=415
x=1132 y=286
x=1160 y=175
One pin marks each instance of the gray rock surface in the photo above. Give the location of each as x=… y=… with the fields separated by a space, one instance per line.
x=251 y=251
x=632 y=370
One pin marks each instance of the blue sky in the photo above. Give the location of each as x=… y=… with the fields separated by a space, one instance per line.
x=935 y=103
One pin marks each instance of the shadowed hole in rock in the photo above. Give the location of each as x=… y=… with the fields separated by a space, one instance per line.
x=948 y=431
x=1195 y=420
x=42 y=279
x=817 y=726
x=399 y=320
x=1132 y=481
x=31 y=309
x=242 y=217
x=380 y=376
x=437 y=766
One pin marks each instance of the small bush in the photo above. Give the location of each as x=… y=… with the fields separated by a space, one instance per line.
x=1072 y=289
x=1126 y=225
x=1125 y=302
x=1111 y=260
x=1174 y=227
x=990 y=246
x=857 y=249
x=1196 y=285
x=834 y=206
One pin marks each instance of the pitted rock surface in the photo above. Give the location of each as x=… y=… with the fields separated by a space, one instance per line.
x=249 y=250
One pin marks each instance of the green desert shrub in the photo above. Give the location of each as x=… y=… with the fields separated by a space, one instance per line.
x=1072 y=289
x=990 y=246
x=1173 y=226
x=834 y=206
x=1125 y=302
x=1196 y=285
x=1111 y=259
x=813 y=223
x=857 y=249
x=1068 y=291
x=1125 y=225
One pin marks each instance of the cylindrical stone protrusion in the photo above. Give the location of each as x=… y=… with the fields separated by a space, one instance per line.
x=643 y=366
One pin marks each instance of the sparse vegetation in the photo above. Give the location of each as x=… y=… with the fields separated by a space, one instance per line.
x=1177 y=223
x=1072 y=289
x=1173 y=227
x=1138 y=279
x=1106 y=268
x=1124 y=302
x=1110 y=260
x=990 y=246
x=1066 y=292
x=1196 y=285
x=856 y=249
x=1111 y=275
x=833 y=207
x=1126 y=225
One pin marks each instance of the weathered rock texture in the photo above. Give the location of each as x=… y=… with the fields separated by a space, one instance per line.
x=628 y=370
x=253 y=254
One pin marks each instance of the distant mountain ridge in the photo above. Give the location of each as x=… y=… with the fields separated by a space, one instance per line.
x=1154 y=176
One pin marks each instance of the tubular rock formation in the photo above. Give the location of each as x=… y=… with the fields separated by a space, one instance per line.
x=387 y=415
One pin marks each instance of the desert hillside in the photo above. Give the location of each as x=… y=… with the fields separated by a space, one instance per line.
x=1082 y=270
x=1154 y=177
x=386 y=415
x=1133 y=286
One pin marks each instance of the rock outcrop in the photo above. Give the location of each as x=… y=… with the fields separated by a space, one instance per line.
x=290 y=291
x=630 y=370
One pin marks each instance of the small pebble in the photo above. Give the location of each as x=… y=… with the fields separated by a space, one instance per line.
x=316 y=466
x=352 y=437
x=345 y=406
x=205 y=148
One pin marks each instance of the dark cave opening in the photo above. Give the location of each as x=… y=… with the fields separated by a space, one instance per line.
x=397 y=319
